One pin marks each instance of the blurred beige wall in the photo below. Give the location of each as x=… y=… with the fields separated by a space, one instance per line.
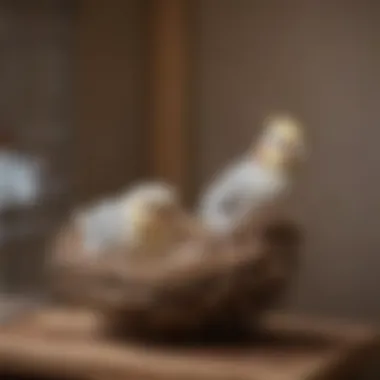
x=321 y=61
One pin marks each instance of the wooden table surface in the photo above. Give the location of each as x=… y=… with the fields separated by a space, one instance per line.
x=58 y=342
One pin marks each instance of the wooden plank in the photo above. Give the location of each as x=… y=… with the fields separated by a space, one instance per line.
x=297 y=348
x=168 y=90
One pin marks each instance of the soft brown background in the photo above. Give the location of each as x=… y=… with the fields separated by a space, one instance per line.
x=109 y=59
x=36 y=108
x=71 y=90
x=317 y=59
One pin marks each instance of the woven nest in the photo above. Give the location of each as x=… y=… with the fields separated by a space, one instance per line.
x=207 y=281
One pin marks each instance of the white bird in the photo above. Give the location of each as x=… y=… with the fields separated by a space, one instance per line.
x=259 y=179
x=20 y=179
x=124 y=220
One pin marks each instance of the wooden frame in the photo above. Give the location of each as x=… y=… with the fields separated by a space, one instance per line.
x=164 y=92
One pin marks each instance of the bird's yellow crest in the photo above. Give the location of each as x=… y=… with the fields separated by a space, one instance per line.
x=286 y=127
x=282 y=143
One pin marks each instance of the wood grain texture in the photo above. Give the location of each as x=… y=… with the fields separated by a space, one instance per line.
x=62 y=341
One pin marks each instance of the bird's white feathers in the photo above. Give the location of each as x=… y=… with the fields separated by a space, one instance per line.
x=20 y=179
x=101 y=225
x=259 y=180
x=244 y=187
x=110 y=222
